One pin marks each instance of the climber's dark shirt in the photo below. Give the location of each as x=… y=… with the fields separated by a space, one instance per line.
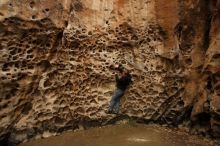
x=123 y=82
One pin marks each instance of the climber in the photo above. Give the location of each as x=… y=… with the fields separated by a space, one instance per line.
x=122 y=82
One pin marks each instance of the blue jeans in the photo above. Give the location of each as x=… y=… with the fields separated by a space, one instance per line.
x=115 y=101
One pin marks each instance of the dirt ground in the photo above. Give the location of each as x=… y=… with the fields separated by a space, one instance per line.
x=124 y=135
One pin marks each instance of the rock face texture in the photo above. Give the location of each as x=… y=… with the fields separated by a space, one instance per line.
x=57 y=55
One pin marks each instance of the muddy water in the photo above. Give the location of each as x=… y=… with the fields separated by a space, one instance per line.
x=123 y=135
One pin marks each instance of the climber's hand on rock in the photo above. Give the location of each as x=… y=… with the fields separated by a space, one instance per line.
x=116 y=66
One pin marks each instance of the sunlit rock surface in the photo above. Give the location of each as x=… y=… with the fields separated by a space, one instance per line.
x=57 y=55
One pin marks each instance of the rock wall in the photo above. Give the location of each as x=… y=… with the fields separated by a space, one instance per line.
x=199 y=58
x=57 y=57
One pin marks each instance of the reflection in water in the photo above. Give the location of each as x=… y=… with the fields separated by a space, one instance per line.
x=124 y=135
x=138 y=139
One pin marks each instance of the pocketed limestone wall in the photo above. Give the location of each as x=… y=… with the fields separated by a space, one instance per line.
x=57 y=57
